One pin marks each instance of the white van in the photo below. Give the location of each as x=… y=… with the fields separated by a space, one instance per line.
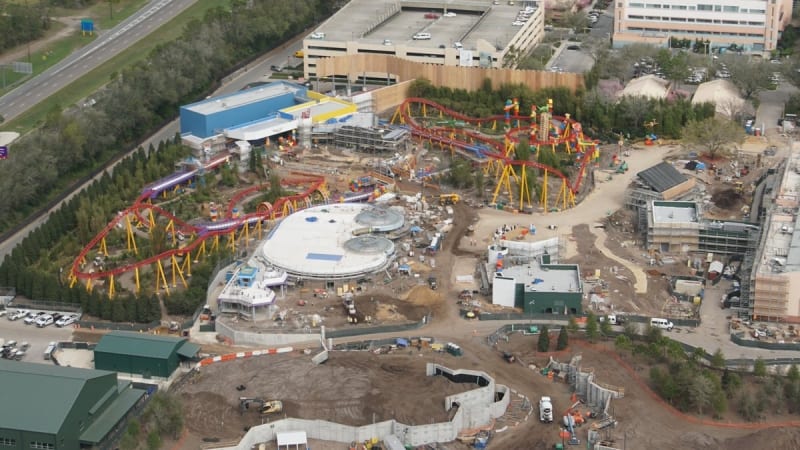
x=422 y=37
x=663 y=324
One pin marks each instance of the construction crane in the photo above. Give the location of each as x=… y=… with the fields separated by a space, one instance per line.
x=264 y=406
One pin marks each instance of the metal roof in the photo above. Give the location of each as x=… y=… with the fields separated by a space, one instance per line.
x=139 y=344
x=662 y=177
x=42 y=395
x=188 y=350
x=112 y=414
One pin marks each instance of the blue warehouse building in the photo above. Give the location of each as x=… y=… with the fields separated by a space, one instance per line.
x=258 y=113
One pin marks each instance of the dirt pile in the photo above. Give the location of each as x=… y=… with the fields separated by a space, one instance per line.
x=726 y=199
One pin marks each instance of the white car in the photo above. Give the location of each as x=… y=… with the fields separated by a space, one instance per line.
x=449 y=14
x=66 y=320
x=317 y=35
x=422 y=37
x=44 y=320
x=32 y=317
x=518 y=24
x=19 y=314
x=3 y=312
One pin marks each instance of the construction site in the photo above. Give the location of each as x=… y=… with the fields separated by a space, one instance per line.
x=364 y=235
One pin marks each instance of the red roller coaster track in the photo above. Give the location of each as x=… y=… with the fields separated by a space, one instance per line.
x=202 y=232
x=439 y=135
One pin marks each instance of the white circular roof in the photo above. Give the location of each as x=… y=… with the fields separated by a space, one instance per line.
x=327 y=242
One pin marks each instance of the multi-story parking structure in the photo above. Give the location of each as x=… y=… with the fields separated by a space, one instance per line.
x=474 y=33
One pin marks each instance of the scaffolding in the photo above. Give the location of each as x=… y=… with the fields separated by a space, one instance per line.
x=393 y=139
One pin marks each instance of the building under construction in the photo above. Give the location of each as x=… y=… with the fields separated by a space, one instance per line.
x=677 y=228
x=660 y=182
x=767 y=293
x=363 y=138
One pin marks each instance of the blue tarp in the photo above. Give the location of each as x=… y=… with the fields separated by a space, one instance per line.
x=401 y=342
x=537 y=281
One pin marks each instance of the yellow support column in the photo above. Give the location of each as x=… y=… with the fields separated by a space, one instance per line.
x=231 y=244
x=215 y=243
x=136 y=279
x=543 y=196
x=131 y=236
x=89 y=285
x=72 y=280
x=524 y=189
x=161 y=277
x=151 y=218
x=111 y=289
x=187 y=265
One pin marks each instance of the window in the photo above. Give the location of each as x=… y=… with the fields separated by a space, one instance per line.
x=42 y=445
x=636 y=5
x=731 y=9
x=705 y=7
x=8 y=442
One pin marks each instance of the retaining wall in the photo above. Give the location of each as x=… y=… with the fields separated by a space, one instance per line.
x=477 y=407
x=255 y=339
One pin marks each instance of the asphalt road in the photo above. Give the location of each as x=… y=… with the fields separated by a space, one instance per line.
x=107 y=45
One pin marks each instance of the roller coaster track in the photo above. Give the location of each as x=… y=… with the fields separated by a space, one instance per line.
x=145 y=212
x=445 y=136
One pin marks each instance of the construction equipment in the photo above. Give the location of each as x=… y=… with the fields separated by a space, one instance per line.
x=264 y=406
x=449 y=199
x=433 y=283
x=622 y=167
x=569 y=425
x=509 y=357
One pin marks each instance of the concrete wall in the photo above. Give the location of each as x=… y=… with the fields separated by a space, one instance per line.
x=477 y=407
x=255 y=339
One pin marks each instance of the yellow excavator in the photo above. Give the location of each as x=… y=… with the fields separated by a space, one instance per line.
x=449 y=199
x=264 y=406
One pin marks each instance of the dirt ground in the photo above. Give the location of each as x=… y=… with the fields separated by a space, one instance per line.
x=353 y=388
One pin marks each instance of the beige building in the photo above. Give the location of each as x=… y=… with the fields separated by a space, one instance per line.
x=468 y=33
x=755 y=25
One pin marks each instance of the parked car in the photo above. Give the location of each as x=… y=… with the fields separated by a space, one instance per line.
x=66 y=320
x=275 y=68
x=449 y=14
x=32 y=317
x=422 y=37
x=44 y=320
x=3 y=312
x=317 y=35
x=19 y=314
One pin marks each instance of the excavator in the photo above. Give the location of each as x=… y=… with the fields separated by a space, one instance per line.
x=264 y=406
x=449 y=199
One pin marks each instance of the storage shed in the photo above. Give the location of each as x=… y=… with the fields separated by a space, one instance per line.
x=147 y=355
x=55 y=408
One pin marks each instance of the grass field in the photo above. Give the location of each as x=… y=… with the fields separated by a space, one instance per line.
x=95 y=79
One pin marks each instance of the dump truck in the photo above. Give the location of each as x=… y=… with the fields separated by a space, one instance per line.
x=433 y=283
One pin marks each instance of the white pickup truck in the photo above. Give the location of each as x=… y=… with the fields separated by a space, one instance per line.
x=545 y=410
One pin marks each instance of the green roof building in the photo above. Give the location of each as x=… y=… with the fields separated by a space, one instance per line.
x=54 y=408
x=147 y=355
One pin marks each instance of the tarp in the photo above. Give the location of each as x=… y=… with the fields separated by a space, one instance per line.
x=401 y=342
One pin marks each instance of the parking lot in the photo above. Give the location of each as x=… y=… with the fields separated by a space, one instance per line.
x=38 y=338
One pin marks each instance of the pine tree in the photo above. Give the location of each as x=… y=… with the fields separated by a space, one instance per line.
x=544 y=340
x=563 y=339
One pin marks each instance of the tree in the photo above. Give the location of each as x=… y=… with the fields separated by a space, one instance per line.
x=605 y=327
x=748 y=75
x=572 y=324
x=718 y=359
x=563 y=339
x=793 y=374
x=759 y=368
x=701 y=390
x=543 y=345
x=747 y=407
x=622 y=342
x=592 y=329
x=715 y=134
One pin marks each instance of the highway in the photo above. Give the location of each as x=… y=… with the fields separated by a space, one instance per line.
x=256 y=71
x=107 y=45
